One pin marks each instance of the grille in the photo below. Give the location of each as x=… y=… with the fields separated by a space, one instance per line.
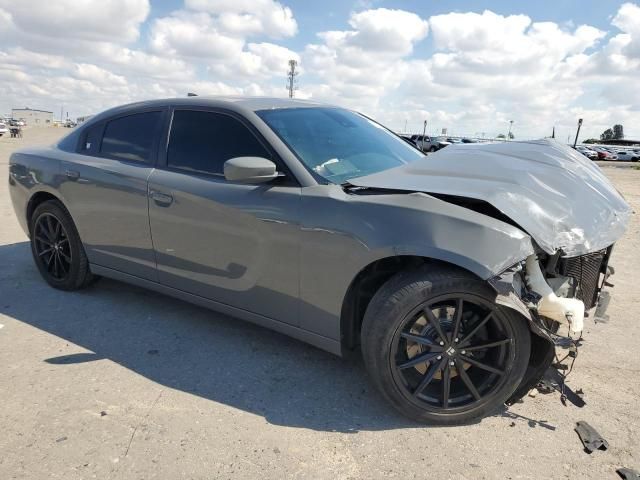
x=586 y=272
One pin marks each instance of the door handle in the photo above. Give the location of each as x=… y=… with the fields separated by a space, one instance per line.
x=72 y=174
x=162 y=199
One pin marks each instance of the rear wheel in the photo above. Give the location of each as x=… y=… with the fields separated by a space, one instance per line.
x=57 y=249
x=439 y=349
x=433 y=149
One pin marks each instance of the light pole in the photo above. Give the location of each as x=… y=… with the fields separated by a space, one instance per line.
x=424 y=131
x=577 y=133
x=509 y=134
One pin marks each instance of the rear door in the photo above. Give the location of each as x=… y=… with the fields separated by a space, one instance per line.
x=105 y=189
x=229 y=242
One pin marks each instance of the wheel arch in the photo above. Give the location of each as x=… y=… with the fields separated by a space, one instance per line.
x=368 y=281
x=371 y=278
x=36 y=199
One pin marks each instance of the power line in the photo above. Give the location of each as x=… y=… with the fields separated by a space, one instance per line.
x=292 y=82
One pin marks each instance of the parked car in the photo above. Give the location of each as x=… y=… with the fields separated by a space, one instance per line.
x=408 y=139
x=613 y=152
x=627 y=155
x=3 y=129
x=429 y=144
x=453 y=140
x=469 y=140
x=316 y=222
x=604 y=154
x=587 y=152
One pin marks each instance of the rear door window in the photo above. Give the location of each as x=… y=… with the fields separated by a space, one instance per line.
x=131 y=138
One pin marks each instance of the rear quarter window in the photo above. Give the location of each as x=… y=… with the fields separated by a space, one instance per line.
x=90 y=140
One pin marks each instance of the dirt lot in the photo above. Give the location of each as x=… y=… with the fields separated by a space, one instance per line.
x=117 y=382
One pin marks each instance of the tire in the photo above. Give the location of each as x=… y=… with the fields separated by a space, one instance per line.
x=433 y=149
x=57 y=249
x=397 y=328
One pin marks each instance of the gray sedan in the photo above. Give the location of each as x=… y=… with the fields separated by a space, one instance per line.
x=451 y=273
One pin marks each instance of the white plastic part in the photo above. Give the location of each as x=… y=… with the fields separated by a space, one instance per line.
x=561 y=310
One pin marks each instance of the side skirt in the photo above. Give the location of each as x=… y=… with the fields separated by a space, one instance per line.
x=324 y=343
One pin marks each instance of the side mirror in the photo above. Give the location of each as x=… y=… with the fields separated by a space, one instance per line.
x=249 y=170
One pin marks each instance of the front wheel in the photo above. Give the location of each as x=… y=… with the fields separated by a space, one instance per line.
x=439 y=349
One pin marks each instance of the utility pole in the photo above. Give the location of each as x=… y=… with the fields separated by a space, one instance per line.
x=292 y=83
x=577 y=133
x=509 y=134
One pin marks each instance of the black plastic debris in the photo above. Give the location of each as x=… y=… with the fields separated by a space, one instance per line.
x=628 y=474
x=590 y=438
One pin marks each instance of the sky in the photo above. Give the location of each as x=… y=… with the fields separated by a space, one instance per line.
x=470 y=67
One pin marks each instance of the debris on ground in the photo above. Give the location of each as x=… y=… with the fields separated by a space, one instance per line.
x=590 y=438
x=628 y=474
x=553 y=380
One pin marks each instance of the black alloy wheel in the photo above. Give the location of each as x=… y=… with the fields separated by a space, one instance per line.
x=452 y=352
x=438 y=347
x=51 y=243
x=57 y=248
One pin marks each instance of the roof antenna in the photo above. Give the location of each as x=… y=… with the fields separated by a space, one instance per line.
x=191 y=94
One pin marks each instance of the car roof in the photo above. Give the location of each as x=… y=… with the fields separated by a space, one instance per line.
x=240 y=104
x=230 y=101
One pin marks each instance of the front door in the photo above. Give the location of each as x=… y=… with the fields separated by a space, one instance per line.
x=233 y=243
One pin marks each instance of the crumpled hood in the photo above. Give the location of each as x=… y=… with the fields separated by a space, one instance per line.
x=557 y=195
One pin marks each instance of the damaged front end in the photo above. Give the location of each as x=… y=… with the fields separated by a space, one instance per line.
x=555 y=294
x=550 y=192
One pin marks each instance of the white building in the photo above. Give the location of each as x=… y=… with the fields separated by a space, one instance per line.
x=33 y=117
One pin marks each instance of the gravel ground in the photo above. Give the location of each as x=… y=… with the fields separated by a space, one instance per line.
x=118 y=382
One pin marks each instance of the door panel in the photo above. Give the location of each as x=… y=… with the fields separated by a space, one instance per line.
x=109 y=204
x=232 y=243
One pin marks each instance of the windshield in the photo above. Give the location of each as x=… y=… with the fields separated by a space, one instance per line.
x=338 y=144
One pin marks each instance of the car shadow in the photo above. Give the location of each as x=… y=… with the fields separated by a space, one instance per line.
x=195 y=350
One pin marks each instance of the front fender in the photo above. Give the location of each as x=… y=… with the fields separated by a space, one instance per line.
x=341 y=234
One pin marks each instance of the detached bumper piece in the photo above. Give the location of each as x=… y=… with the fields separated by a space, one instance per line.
x=591 y=439
x=628 y=474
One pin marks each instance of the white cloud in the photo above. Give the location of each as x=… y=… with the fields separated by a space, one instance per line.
x=190 y=34
x=258 y=61
x=360 y=65
x=628 y=20
x=249 y=17
x=113 y=20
